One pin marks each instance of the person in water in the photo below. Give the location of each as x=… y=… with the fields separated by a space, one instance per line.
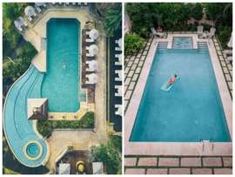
x=172 y=80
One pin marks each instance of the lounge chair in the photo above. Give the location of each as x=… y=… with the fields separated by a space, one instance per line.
x=119 y=62
x=119 y=90
x=230 y=59
x=119 y=109
x=200 y=30
x=118 y=49
x=157 y=34
x=89 y=40
x=89 y=55
x=38 y=8
x=228 y=52
x=119 y=73
x=212 y=32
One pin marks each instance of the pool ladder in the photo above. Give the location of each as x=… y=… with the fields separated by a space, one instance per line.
x=207 y=145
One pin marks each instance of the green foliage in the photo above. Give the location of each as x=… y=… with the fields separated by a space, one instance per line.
x=116 y=141
x=224 y=35
x=113 y=19
x=133 y=43
x=45 y=127
x=221 y=13
x=109 y=154
x=14 y=68
x=10 y=36
x=196 y=12
x=8 y=171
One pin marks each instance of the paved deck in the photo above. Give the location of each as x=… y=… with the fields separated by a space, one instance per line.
x=178 y=165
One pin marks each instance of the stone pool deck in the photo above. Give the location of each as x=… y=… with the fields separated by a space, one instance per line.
x=170 y=164
x=178 y=165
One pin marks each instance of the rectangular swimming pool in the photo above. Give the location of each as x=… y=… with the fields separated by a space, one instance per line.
x=191 y=111
x=61 y=83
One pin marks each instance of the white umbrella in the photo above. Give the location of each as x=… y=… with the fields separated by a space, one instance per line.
x=94 y=34
x=30 y=11
x=19 y=22
x=230 y=42
x=92 y=65
x=93 y=49
x=92 y=78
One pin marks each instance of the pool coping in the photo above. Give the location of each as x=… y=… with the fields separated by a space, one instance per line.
x=177 y=148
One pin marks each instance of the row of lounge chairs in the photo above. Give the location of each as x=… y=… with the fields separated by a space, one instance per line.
x=91 y=51
x=205 y=34
x=118 y=73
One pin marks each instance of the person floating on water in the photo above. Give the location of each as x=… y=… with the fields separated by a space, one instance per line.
x=172 y=79
x=169 y=83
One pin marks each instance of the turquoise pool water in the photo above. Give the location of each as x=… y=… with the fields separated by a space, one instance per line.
x=33 y=150
x=18 y=129
x=182 y=43
x=62 y=81
x=191 y=111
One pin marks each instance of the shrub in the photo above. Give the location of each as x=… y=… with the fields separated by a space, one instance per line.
x=116 y=142
x=133 y=43
x=197 y=11
x=45 y=127
x=109 y=154
x=224 y=35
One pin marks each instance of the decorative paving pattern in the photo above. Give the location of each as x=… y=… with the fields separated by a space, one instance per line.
x=226 y=66
x=133 y=66
x=178 y=165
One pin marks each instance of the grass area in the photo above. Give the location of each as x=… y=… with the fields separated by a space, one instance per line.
x=46 y=127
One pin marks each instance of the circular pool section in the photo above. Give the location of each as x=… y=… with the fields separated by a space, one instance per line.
x=33 y=150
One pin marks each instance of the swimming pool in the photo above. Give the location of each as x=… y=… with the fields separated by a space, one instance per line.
x=60 y=85
x=62 y=81
x=18 y=129
x=191 y=111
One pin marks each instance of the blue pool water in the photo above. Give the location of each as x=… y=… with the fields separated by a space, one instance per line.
x=191 y=111
x=182 y=43
x=62 y=81
x=18 y=129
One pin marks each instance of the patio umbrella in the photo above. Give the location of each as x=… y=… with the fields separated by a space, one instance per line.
x=94 y=34
x=92 y=78
x=30 y=11
x=93 y=49
x=19 y=22
x=230 y=42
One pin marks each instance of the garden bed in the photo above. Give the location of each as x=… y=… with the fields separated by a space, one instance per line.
x=46 y=127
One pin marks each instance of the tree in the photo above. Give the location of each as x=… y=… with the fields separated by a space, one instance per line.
x=113 y=19
x=109 y=154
